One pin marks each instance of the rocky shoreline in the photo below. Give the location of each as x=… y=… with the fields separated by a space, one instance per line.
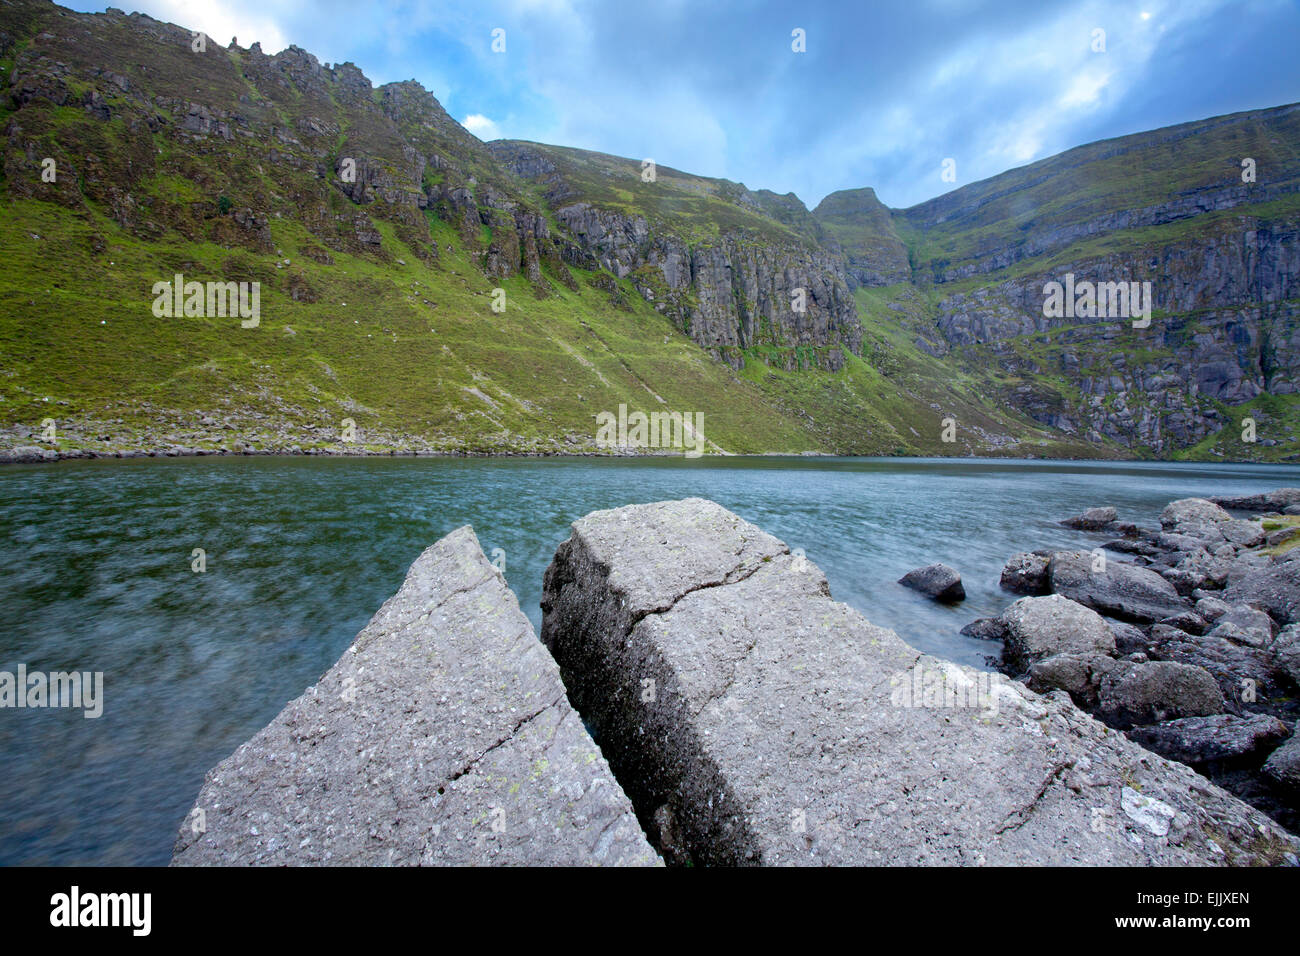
x=1186 y=637
x=697 y=698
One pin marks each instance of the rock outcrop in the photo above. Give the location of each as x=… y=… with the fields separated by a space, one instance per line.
x=442 y=736
x=754 y=720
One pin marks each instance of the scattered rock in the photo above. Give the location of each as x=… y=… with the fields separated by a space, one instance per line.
x=1025 y=573
x=1094 y=519
x=937 y=581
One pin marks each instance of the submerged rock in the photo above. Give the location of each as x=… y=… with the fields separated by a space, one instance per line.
x=753 y=720
x=1094 y=519
x=937 y=581
x=441 y=736
x=986 y=629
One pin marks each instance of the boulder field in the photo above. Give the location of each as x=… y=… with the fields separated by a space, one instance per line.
x=1204 y=611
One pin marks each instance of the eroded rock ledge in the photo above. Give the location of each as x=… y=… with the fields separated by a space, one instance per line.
x=442 y=736
x=753 y=720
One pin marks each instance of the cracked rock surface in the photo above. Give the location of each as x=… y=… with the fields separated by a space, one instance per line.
x=441 y=736
x=754 y=720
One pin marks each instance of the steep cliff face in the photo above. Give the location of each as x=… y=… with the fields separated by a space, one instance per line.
x=732 y=268
x=1168 y=208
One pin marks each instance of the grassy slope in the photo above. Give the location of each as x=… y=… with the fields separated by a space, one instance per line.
x=401 y=369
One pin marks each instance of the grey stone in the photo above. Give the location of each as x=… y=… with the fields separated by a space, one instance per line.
x=1286 y=654
x=1199 y=740
x=1079 y=675
x=1283 y=765
x=1039 y=627
x=1277 y=500
x=1120 y=590
x=1275 y=588
x=1195 y=518
x=1211 y=608
x=1094 y=519
x=1240 y=670
x=1142 y=693
x=773 y=725
x=1128 y=638
x=986 y=629
x=1245 y=625
x=1025 y=573
x=441 y=736
x=937 y=581
x=1188 y=621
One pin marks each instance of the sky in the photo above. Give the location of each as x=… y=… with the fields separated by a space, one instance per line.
x=880 y=95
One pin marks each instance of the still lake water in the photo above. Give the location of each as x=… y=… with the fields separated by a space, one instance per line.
x=95 y=576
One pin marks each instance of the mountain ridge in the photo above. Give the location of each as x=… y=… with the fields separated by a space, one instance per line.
x=848 y=328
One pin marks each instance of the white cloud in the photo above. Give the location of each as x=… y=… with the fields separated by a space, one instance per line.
x=251 y=22
x=481 y=126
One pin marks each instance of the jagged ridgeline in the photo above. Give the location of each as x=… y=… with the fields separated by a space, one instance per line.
x=381 y=235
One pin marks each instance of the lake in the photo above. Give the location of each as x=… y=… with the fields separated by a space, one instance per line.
x=96 y=575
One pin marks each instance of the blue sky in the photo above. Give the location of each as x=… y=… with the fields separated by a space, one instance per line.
x=884 y=93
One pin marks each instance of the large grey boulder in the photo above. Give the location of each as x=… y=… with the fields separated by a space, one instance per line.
x=1113 y=587
x=1207 y=522
x=937 y=581
x=1201 y=740
x=1275 y=589
x=1040 y=627
x=1150 y=691
x=754 y=720
x=441 y=736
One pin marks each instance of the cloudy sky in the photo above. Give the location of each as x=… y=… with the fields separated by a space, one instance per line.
x=881 y=96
